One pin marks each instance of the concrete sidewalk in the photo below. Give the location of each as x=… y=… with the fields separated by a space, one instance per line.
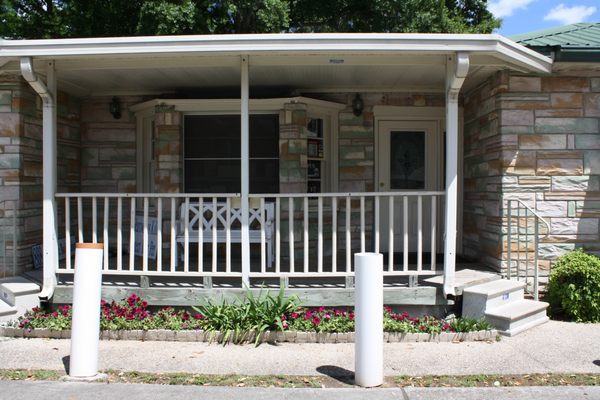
x=558 y=347
x=22 y=390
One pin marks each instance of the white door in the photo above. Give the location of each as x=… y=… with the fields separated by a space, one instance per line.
x=409 y=159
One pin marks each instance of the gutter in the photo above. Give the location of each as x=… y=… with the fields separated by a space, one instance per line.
x=50 y=244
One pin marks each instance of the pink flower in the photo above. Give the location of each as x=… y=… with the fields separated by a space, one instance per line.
x=316 y=321
x=294 y=315
x=198 y=316
x=185 y=316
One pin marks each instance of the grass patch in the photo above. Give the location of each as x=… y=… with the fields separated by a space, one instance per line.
x=499 y=380
x=319 y=381
x=28 y=374
x=180 y=378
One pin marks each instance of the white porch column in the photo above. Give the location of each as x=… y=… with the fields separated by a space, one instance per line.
x=48 y=94
x=245 y=165
x=457 y=68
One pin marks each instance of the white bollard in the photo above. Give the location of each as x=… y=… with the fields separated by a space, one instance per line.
x=85 y=330
x=368 y=300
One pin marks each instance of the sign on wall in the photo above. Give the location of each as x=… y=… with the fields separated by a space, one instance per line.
x=139 y=236
x=38 y=256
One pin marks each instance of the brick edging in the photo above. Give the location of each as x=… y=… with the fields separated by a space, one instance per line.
x=268 y=337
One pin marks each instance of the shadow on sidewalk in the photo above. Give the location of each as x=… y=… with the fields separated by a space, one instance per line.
x=66 y=360
x=338 y=373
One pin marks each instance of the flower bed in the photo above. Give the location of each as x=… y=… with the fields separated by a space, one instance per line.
x=256 y=320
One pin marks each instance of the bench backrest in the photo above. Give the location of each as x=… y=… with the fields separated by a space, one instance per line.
x=206 y=211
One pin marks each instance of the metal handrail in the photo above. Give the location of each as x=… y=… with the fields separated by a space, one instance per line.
x=534 y=213
x=537 y=220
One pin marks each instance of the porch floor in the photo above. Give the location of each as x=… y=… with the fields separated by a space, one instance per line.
x=186 y=291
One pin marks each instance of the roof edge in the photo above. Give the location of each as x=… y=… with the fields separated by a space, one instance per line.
x=368 y=43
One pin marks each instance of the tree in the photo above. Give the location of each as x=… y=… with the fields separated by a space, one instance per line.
x=452 y=16
x=32 y=19
x=89 y=18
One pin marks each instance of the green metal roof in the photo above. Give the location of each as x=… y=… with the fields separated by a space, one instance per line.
x=576 y=35
x=576 y=42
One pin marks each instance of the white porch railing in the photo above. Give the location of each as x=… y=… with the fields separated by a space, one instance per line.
x=305 y=235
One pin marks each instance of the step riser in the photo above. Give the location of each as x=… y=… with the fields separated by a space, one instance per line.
x=7 y=296
x=26 y=303
x=511 y=328
x=475 y=305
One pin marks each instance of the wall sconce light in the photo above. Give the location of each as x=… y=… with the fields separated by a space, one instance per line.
x=357 y=105
x=115 y=108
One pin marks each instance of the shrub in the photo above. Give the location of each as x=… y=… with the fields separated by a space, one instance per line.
x=574 y=287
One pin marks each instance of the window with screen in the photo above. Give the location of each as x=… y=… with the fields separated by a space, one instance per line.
x=212 y=153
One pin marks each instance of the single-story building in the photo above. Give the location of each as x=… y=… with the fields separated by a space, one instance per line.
x=231 y=160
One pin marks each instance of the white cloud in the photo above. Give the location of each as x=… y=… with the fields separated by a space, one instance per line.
x=505 y=8
x=569 y=15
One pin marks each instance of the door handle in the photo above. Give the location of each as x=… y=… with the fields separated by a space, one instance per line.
x=381 y=184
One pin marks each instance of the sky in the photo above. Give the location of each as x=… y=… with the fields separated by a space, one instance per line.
x=522 y=16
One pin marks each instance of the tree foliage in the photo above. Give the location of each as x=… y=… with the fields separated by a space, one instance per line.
x=90 y=18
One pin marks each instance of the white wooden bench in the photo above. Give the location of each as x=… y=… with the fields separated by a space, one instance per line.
x=207 y=215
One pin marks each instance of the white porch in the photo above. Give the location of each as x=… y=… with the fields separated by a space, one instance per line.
x=308 y=236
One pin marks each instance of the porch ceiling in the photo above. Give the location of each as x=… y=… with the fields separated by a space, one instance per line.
x=299 y=62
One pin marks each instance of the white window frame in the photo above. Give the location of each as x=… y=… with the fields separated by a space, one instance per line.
x=320 y=108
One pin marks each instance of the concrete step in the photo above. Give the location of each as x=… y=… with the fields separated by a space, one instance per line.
x=20 y=293
x=464 y=278
x=7 y=312
x=480 y=298
x=517 y=316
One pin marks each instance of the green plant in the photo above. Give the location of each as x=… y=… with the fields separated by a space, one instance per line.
x=37 y=318
x=238 y=319
x=470 y=325
x=574 y=287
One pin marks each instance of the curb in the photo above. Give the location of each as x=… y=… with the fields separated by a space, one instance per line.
x=166 y=335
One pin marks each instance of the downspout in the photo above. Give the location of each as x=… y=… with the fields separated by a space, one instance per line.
x=49 y=245
x=457 y=68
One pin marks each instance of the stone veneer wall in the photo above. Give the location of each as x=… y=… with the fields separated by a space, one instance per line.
x=21 y=163
x=108 y=146
x=168 y=151
x=536 y=139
